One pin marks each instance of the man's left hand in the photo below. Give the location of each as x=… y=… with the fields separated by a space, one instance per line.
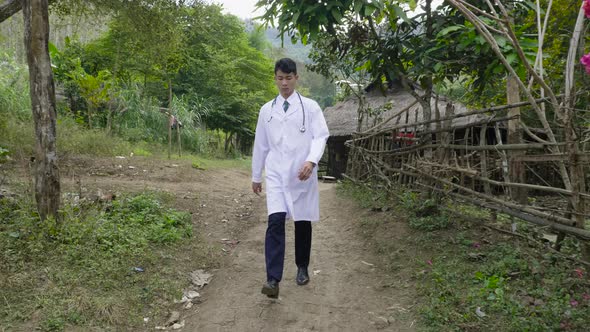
x=306 y=170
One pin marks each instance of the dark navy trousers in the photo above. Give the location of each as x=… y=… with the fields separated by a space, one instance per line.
x=274 y=245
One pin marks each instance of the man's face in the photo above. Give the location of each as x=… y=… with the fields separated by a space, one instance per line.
x=286 y=82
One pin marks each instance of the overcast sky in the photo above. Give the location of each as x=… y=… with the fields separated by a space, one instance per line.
x=245 y=8
x=240 y=8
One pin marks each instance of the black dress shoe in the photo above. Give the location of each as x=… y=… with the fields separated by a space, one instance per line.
x=302 y=276
x=271 y=289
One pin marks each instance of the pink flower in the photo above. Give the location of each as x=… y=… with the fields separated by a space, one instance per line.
x=429 y=262
x=476 y=245
x=579 y=272
x=585 y=60
x=587 y=8
x=574 y=303
x=586 y=296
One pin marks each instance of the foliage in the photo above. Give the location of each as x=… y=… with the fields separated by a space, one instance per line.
x=516 y=289
x=14 y=91
x=423 y=213
x=190 y=58
x=86 y=270
x=471 y=279
x=225 y=66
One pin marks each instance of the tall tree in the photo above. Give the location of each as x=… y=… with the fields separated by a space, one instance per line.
x=47 y=185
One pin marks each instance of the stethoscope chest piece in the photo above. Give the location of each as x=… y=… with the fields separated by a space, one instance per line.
x=302 y=129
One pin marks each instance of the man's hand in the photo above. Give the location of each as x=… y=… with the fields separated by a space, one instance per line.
x=306 y=170
x=257 y=188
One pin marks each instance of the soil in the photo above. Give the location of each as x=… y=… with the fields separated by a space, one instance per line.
x=349 y=290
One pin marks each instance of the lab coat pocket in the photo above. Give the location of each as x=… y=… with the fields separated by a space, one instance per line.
x=298 y=186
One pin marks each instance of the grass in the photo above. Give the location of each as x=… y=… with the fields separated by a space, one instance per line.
x=86 y=270
x=471 y=279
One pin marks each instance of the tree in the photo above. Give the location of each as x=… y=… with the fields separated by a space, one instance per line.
x=36 y=21
x=222 y=65
x=47 y=185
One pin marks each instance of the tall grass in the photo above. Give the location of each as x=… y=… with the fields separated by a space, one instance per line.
x=137 y=122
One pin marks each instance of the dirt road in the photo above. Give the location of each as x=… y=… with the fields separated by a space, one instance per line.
x=344 y=294
x=347 y=291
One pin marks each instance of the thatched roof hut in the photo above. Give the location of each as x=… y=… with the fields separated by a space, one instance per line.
x=342 y=119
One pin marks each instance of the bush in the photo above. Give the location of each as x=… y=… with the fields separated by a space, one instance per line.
x=424 y=214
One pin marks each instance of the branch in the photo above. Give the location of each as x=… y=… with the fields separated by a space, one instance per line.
x=9 y=8
x=523 y=58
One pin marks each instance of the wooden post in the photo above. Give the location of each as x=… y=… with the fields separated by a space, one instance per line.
x=484 y=159
x=515 y=167
x=170 y=119
x=179 y=138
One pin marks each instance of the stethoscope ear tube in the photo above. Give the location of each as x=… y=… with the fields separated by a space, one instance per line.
x=302 y=129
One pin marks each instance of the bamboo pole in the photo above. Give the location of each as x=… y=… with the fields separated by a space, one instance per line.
x=412 y=149
x=485 y=179
x=475 y=123
x=507 y=204
x=516 y=168
x=579 y=233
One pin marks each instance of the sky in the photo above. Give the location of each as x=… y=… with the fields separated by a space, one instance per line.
x=240 y=8
x=245 y=8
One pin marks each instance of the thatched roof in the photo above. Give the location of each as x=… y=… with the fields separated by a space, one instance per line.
x=342 y=118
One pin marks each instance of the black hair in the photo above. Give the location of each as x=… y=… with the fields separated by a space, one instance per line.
x=286 y=65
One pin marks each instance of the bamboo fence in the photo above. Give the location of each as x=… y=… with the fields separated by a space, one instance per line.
x=472 y=163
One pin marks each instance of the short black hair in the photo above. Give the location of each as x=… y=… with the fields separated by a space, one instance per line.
x=286 y=65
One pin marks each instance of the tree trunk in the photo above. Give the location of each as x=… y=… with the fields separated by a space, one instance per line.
x=42 y=89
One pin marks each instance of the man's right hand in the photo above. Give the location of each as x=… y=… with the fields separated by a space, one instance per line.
x=257 y=188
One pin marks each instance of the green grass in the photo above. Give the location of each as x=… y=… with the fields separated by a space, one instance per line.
x=82 y=271
x=463 y=267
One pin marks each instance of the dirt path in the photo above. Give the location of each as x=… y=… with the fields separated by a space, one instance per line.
x=347 y=291
x=344 y=293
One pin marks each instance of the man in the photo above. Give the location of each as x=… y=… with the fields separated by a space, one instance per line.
x=290 y=138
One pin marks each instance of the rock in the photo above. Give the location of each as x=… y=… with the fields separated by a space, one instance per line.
x=192 y=294
x=174 y=317
x=178 y=326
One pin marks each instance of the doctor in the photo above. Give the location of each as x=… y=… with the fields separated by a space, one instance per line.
x=290 y=138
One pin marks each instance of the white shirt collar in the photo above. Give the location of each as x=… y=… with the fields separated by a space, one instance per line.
x=292 y=100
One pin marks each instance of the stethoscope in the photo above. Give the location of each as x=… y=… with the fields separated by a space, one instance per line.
x=302 y=129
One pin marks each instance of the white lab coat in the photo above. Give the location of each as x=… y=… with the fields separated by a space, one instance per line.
x=280 y=149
